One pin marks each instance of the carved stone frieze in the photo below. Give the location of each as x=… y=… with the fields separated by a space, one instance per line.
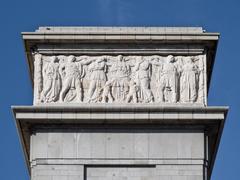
x=119 y=79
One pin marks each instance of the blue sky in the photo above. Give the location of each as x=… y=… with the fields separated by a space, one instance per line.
x=26 y=15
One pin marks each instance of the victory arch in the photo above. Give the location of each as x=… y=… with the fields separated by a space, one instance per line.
x=120 y=103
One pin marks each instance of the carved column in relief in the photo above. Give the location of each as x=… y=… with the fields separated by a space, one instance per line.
x=201 y=80
x=38 y=81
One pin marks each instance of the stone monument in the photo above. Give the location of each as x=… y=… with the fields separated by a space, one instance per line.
x=120 y=103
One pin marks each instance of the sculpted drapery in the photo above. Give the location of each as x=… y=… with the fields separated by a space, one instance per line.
x=51 y=81
x=188 y=80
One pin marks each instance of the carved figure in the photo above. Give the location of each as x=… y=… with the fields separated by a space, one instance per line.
x=133 y=90
x=97 y=79
x=168 y=81
x=143 y=73
x=188 y=81
x=157 y=66
x=106 y=95
x=51 y=81
x=120 y=72
x=72 y=86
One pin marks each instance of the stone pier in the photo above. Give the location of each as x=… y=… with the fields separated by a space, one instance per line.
x=120 y=103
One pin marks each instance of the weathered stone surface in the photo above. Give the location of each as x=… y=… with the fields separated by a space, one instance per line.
x=117 y=144
x=120 y=79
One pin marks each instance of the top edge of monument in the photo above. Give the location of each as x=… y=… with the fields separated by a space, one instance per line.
x=120 y=30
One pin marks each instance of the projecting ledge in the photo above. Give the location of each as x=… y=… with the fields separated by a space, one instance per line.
x=113 y=113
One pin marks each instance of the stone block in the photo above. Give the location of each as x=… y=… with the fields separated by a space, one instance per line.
x=54 y=145
x=83 y=145
x=39 y=145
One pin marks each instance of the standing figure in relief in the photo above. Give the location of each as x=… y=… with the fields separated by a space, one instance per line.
x=168 y=81
x=188 y=81
x=107 y=95
x=97 y=70
x=72 y=73
x=120 y=72
x=157 y=66
x=51 y=81
x=143 y=74
x=133 y=90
